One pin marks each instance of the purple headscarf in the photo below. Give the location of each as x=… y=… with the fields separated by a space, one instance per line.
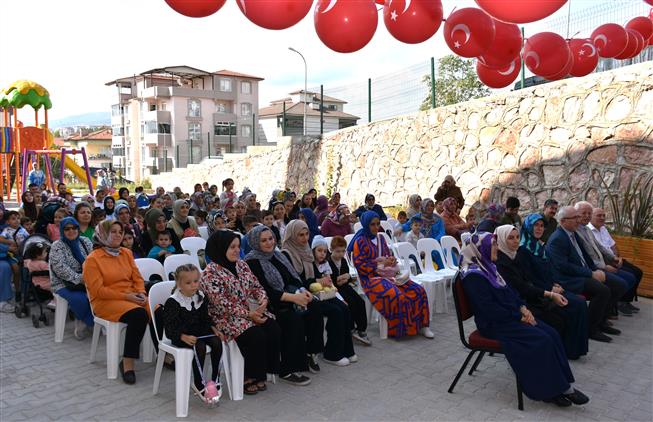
x=477 y=258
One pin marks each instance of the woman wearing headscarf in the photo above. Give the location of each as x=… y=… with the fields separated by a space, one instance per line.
x=155 y=222
x=321 y=208
x=370 y=205
x=531 y=257
x=308 y=217
x=67 y=256
x=432 y=224
x=251 y=207
x=28 y=207
x=546 y=305
x=338 y=222
x=533 y=349
x=334 y=201
x=453 y=223
x=301 y=332
x=182 y=224
x=109 y=207
x=117 y=291
x=231 y=288
x=405 y=306
x=414 y=205
x=133 y=205
x=339 y=349
x=168 y=201
x=493 y=215
x=197 y=203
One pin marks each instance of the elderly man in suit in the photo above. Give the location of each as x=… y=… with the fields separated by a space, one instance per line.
x=574 y=270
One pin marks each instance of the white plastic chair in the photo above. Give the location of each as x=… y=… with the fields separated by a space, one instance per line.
x=204 y=233
x=328 y=241
x=388 y=229
x=428 y=246
x=449 y=245
x=348 y=238
x=409 y=255
x=464 y=237
x=149 y=267
x=193 y=245
x=173 y=261
x=60 y=314
x=393 y=222
x=357 y=226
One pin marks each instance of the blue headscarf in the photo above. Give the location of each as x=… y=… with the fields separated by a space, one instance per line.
x=311 y=222
x=527 y=238
x=72 y=244
x=366 y=220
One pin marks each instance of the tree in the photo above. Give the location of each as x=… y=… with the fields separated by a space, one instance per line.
x=455 y=82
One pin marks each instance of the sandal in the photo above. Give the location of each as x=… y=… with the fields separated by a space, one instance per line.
x=250 y=388
x=260 y=386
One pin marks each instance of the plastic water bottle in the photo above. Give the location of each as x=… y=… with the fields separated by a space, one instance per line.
x=299 y=308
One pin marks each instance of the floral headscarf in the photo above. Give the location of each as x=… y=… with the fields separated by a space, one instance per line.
x=450 y=207
x=101 y=236
x=477 y=258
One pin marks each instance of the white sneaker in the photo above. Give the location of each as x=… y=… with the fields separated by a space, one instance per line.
x=80 y=332
x=51 y=305
x=341 y=362
x=426 y=332
x=353 y=358
x=7 y=307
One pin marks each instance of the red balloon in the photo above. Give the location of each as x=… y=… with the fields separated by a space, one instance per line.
x=380 y=2
x=610 y=39
x=498 y=78
x=632 y=45
x=469 y=32
x=585 y=57
x=278 y=14
x=345 y=26
x=649 y=2
x=412 y=22
x=564 y=72
x=643 y=25
x=507 y=46
x=546 y=54
x=641 y=44
x=196 y=8
x=520 y=11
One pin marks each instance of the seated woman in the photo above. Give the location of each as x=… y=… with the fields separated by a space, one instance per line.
x=370 y=205
x=338 y=222
x=432 y=225
x=453 y=223
x=532 y=255
x=308 y=217
x=84 y=216
x=321 y=209
x=181 y=223
x=301 y=332
x=67 y=256
x=155 y=222
x=117 y=290
x=238 y=309
x=339 y=349
x=533 y=349
x=405 y=306
x=414 y=205
x=490 y=222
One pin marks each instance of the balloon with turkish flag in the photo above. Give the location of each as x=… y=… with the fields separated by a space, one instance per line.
x=345 y=26
x=641 y=44
x=584 y=55
x=196 y=8
x=507 y=45
x=643 y=25
x=469 y=32
x=520 y=11
x=412 y=21
x=498 y=78
x=632 y=46
x=564 y=72
x=278 y=14
x=649 y=2
x=546 y=54
x=610 y=39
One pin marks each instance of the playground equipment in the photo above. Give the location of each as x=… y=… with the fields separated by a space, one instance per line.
x=20 y=146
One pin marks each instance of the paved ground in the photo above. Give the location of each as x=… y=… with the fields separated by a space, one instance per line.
x=394 y=380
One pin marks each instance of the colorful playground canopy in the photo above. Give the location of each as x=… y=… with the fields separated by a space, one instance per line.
x=24 y=92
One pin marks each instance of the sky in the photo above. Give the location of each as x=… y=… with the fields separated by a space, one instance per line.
x=73 y=47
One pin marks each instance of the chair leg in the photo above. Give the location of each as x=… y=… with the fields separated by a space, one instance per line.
x=476 y=362
x=160 y=359
x=237 y=363
x=183 y=369
x=460 y=372
x=147 y=346
x=113 y=350
x=97 y=330
x=520 y=398
x=383 y=328
x=60 y=314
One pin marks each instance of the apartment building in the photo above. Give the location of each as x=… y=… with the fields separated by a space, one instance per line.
x=171 y=116
x=97 y=144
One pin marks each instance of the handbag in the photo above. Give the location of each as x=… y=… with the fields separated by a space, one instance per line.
x=393 y=273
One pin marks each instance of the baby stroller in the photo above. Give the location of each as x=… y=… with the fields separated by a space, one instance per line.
x=27 y=288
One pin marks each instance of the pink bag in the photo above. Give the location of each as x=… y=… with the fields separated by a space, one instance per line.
x=394 y=272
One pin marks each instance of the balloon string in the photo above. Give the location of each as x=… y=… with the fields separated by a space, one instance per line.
x=568 y=18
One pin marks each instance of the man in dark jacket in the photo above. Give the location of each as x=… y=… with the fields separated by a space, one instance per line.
x=448 y=189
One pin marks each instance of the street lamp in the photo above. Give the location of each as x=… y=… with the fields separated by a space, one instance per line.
x=305 y=84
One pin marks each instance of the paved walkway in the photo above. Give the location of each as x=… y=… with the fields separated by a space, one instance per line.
x=394 y=380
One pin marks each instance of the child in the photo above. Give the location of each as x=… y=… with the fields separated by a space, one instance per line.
x=53 y=228
x=227 y=197
x=13 y=236
x=98 y=215
x=28 y=224
x=320 y=252
x=185 y=318
x=129 y=243
x=341 y=279
x=402 y=217
x=139 y=218
x=216 y=222
x=231 y=218
x=268 y=220
x=415 y=233
x=36 y=261
x=200 y=218
x=163 y=247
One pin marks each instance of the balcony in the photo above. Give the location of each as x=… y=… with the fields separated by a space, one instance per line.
x=118 y=161
x=179 y=91
x=156 y=91
x=224 y=117
x=158 y=116
x=158 y=139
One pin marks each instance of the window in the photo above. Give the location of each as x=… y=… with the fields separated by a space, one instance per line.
x=245 y=109
x=152 y=107
x=116 y=110
x=128 y=130
x=246 y=131
x=223 y=129
x=246 y=87
x=194 y=131
x=117 y=131
x=164 y=106
x=225 y=85
x=142 y=131
x=194 y=108
x=154 y=127
x=118 y=152
x=221 y=107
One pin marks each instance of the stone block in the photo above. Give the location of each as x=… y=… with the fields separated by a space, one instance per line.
x=579 y=177
x=631 y=132
x=554 y=175
x=488 y=135
x=591 y=106
x=642 y=155
x=552 y=153
x=570 y=109
x=506 y=140
x=529 y=158
x=605 y=154
x=618 y=108
x=645 y=103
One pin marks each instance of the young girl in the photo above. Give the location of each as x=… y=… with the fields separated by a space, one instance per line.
x=268 y=220
x=185 y=318
x=36 y=261
x=341 y=279
x=227 y=197
x=129 y=243
x=320 y=252
x=53 y=228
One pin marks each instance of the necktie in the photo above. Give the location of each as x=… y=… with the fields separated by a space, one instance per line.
x=578 y=250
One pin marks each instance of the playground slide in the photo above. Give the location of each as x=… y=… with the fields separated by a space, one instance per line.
x=79 y=172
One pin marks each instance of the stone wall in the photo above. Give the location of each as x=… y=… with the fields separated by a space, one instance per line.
x=553 y=140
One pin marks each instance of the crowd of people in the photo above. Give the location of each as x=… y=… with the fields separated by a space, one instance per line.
x=543 y=285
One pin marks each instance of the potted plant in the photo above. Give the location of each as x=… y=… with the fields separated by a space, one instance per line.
x=632 y=215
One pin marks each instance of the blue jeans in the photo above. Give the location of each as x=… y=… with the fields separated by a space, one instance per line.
x=78 y=303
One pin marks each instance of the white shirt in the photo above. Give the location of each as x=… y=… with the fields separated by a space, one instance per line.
x=602 y=236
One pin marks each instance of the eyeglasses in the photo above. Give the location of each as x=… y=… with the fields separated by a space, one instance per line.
x=69 y=228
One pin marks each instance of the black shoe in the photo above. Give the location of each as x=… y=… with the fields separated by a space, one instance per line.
x=610 y=330
x=599 y=336
x=560 y=401
x=625 y=310
x=296 y=379
x=632 y=307
x=312 y=363
x=128 y=377
x=577 y=397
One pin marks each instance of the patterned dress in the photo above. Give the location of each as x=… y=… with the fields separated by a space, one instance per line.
x=404 y=307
